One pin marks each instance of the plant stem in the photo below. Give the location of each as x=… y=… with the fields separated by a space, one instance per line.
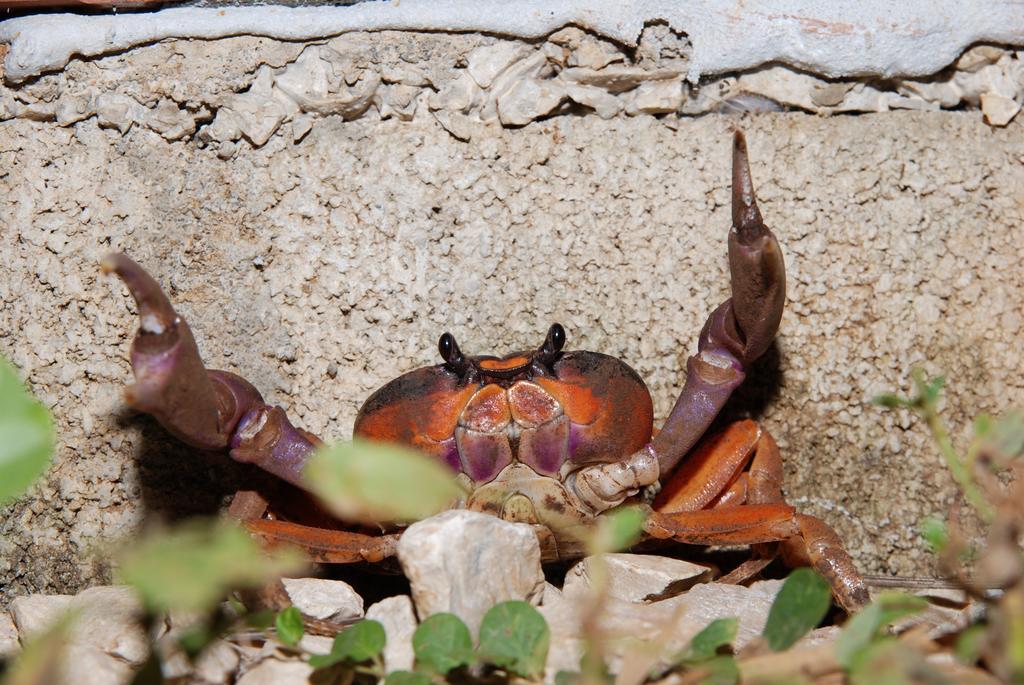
x=961 y=474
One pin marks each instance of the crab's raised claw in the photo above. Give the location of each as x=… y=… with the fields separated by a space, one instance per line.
x=211 y=410
x=756 y=267
x=170 y=380
x=738 y=331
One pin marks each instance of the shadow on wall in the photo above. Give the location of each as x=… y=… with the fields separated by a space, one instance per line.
x=177 y=481
x=760 y=389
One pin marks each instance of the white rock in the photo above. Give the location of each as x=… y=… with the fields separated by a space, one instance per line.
x=533 y=67
x=170 y=121
x=301 y=125
x=604 y=104
x=529 y=99
x=634 y=577
x=316 y=82
x=225 y=128
x=709 y=601
x=999 y=110
x=399 y=101
x=399 y=620
x=85 y=665
x=106 y=642
x=587 y=51
x=275 y=672
x=217 y=664
x=114 y=110
x=618 y=79
x=657 y=97
x=459 y=125
x=790 y=88
x=258 y=112
x=564 y=654
x=330 y=600
x=72 y=108
x=819 y=636
x=35 y=613
x=551 y=594
x=316 y=644
x=487 y=61
x=9 y=644
x=465 y=562
x=106 y=620
x=458 y=95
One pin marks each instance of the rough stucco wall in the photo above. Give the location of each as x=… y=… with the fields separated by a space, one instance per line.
x=321 y=269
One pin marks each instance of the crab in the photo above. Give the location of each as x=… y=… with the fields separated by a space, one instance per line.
x=547 y=437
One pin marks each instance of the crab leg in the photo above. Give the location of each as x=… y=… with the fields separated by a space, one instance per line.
x=211 y=410
x=325 y=546
x=711 y=470
x=736 y=333
x=735 y=495
x=762 y=523
x=736 y=526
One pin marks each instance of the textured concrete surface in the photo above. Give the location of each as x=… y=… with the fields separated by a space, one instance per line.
x=321 y=269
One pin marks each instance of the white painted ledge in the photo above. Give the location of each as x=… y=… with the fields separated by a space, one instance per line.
x=833 y=39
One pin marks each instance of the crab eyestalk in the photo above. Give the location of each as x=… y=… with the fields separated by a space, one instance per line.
x=208 y=409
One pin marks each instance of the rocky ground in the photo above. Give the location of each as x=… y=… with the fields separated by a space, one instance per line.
x=458 y=562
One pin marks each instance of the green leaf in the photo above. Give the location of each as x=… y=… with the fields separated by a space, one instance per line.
x=891 y=401
x=514 y=636
x=1006 y=436
x=887 y=662
x=378 y=482
x=26 y=436
x=260 y=620
x=969 y=643
x=617 y=529
x=722 y=670
x=932 y=390
x=290 y=627
x=933 y=530
x=406 y=678
x=195 y=639
x=715 y=635
x=442 y=643
x=359 y=642
x=802 y=602
x=193 y=566
x=982 y=426
x=861 y=631
x=568 y=678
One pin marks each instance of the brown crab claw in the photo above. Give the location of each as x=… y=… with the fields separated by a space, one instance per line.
x=756 y=264
x=739 y=330
x=170 y=380
x=205 y=408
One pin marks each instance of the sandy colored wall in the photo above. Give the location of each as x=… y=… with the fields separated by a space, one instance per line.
x=321 y=268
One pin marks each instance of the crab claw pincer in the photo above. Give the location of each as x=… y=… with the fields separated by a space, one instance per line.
x=739 y=330
x=208 y=409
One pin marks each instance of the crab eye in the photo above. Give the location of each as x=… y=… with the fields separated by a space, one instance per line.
x=451 y=353
x=446 y=346
x=554 y=341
